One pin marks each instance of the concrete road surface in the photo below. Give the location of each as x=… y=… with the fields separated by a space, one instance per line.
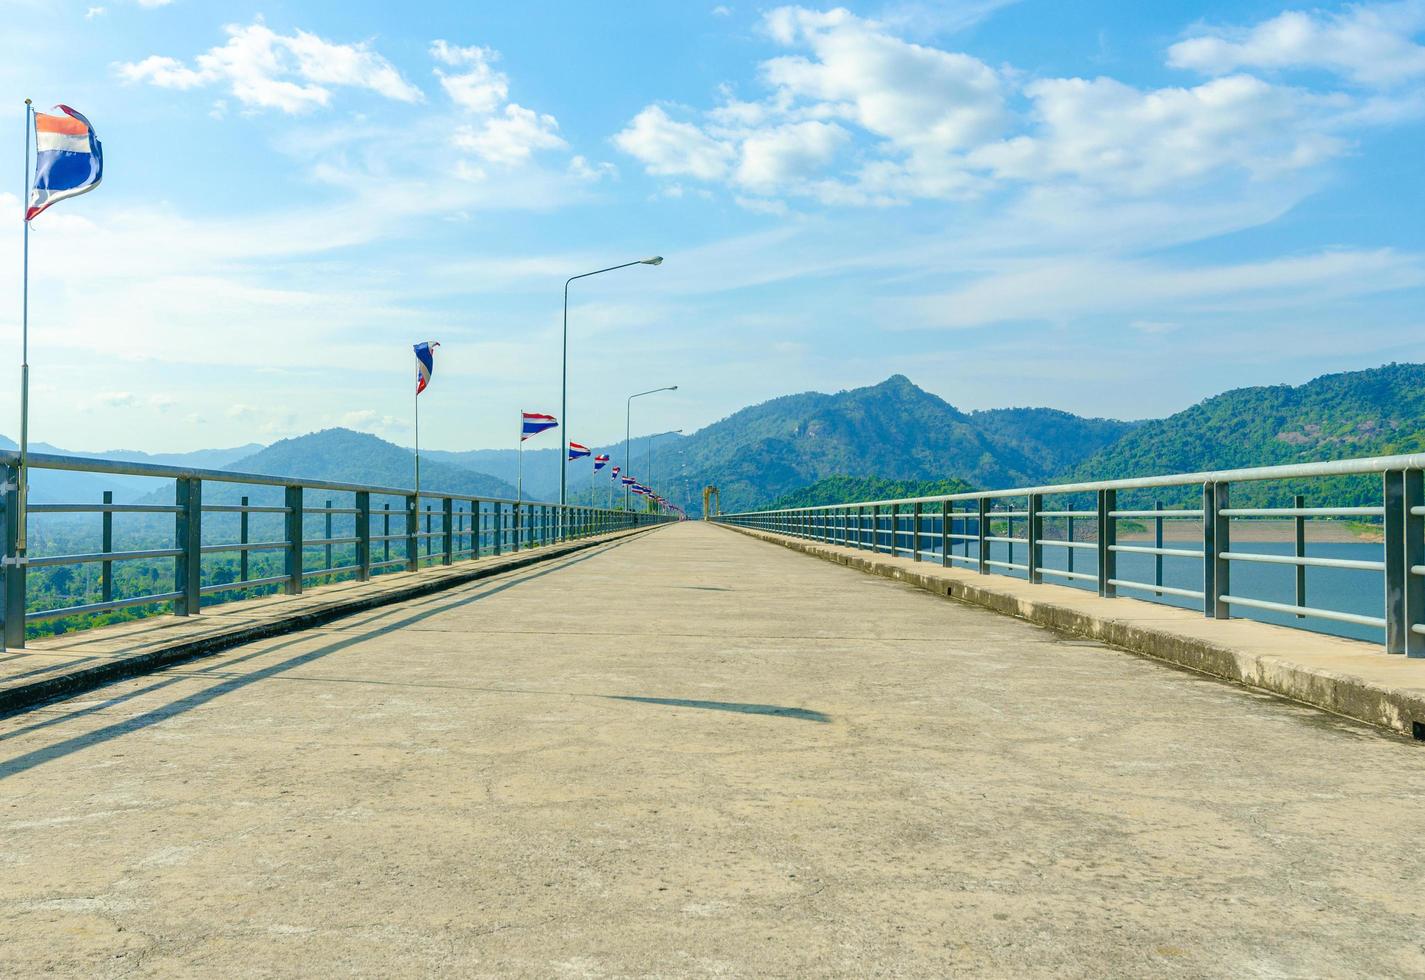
x=693 y=753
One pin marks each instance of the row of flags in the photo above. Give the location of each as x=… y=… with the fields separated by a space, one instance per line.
x=534 y=423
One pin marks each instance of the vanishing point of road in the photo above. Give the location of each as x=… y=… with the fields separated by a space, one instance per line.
x=693 y=753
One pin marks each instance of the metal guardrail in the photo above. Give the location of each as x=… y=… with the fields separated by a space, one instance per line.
x=448 y=528
x=971 y=523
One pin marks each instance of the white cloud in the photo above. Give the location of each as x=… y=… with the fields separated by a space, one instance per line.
x=581 y=168
x=1369 y=43
x=773 y=157
x=93 y=12
x=859 y=116
x=1104 y=132
x=291 y=73
x=920 y=98
x=478 y=87
x=512 y=137
x=669 y=148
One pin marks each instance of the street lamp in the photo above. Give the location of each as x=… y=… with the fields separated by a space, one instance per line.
x=627 y=432
x=564 y=380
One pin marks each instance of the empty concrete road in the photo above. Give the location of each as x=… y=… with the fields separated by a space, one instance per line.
x=693 y=753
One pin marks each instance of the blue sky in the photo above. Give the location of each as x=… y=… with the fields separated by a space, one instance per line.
x=1111 y=208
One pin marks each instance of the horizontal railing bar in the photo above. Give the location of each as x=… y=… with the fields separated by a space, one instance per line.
x=1310 y=561
x=315 y=542
x=103 y=509
x=1147 y=513
x=1294 y=471
x=1064 y=513
x=1076 y=576
x=387 y=562
x=87 y=464
x=1149 y=587
x=966 y=559
x=1081 y=545
x=1007 y=540
x=218 y=549
x=1008 y=564
x=1144 y=550
x=251 y=583
x=1302 y=511
x=97 y=607
x=335 y=510
x=340 y=569
x=240 y=509
x=103 y=556
x=1304 y=611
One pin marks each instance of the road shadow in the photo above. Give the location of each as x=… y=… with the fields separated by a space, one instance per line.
x=38 y=757
x=776 y=710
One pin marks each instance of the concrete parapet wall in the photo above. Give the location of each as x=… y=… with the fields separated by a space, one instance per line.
x=1346 y=677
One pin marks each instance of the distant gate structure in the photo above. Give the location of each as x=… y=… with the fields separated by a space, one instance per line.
x=711 y=510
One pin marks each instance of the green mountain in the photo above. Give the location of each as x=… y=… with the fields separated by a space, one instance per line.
x=344 y=456
x=893 y=430
x=1358 y=413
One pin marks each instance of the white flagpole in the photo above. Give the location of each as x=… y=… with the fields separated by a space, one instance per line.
x=418 y=451
x=519 y=489
x=24 y=472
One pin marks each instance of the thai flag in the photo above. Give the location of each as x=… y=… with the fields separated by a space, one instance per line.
x=639 y=489
x=614 y=473
x=600 y=461
x=425 y=363
x=533 y=423
x=69 y=160
x=577 y=451
x=629 y=481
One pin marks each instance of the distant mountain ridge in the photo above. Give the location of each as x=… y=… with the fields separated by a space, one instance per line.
x=1375 y=412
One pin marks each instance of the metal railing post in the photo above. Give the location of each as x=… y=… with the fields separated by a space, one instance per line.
x=294 y=554
x=243 y=563
x=413 y=525
x=426 y=537
x=876 y=530
x=188 y=567
x=915 y=532
x=106 y=544
x=496 y=523
x=982 y=532
x=1299 y=525
x=1158 y=543
x=363 y=535
x=447 y=531
x=386 y=531
x=1413 y=507
x=326 y=535
x=1393 y=497
x=1221 y=544
x=1107 y=538
x=12 y=574
x=1035 y=524
x=946 y=508
x=515 y=510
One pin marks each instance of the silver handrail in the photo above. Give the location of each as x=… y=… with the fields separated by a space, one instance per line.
x=933 y=525
x=452 y=527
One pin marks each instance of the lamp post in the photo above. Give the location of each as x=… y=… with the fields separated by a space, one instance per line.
x=650 y=451
x=627 y=431
x=564 y=380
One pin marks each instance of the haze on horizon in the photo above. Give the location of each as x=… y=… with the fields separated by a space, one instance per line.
x=1108 y=210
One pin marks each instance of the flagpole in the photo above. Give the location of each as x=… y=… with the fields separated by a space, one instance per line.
x=418 y=450
x=519 y=489
x=24 y=471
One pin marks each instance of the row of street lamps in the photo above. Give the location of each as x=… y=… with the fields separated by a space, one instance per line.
x=564 y=390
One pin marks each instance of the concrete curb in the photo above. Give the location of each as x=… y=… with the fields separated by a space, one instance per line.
x=23 y=697
x=1398 y=709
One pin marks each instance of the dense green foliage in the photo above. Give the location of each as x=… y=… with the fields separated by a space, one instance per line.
x=850 y=489
x=1337 y=416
